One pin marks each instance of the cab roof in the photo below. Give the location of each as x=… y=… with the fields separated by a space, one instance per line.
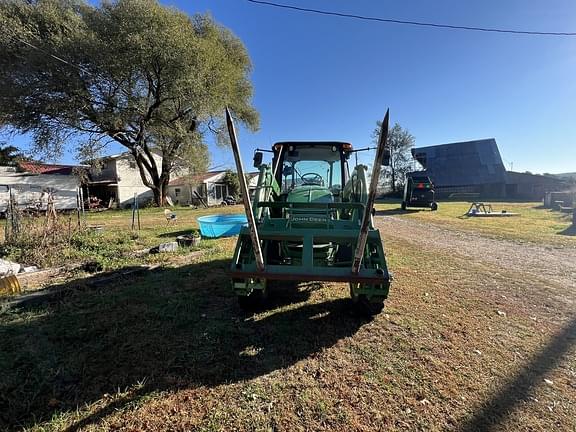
x=321 y=143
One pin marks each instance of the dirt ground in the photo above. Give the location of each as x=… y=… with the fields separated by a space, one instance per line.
x=552 y=265
x=478 y=333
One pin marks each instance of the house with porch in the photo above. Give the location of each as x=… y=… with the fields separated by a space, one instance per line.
x=115 y=179
x=208 y=188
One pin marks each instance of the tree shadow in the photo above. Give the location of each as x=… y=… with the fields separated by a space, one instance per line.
x=171 y=328
x=495 y=410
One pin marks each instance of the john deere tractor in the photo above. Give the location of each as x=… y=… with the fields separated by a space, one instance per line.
x=311 y=219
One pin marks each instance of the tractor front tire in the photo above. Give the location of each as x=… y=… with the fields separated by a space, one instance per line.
x=368 y=308
x=364 y=306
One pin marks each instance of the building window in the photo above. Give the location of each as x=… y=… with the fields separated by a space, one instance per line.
x=177 y=192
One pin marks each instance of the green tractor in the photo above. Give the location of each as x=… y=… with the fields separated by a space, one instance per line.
x=311 y=219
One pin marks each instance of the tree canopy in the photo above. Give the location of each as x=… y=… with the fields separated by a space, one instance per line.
x=10 y=155
x=400 y=142
x=134 y=72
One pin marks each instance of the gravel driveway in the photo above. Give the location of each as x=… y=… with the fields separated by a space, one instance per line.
x=540 y=262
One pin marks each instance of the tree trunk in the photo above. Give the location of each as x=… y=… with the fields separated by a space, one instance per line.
x=157 y=182
x=159 y=200
x=160 y=192
x=161 y=189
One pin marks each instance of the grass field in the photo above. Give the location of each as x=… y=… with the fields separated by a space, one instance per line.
x=535 y=223
x=112 y=248
x=462 y=344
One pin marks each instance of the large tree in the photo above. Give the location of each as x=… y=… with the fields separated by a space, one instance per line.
x=133 y=72
x=400 y=142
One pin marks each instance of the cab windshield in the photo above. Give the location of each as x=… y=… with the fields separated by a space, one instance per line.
x=312 y=166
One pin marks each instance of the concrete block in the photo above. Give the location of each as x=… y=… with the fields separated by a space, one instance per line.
x=168 y=247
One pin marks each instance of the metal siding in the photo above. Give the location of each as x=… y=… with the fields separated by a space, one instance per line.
x=465 y=163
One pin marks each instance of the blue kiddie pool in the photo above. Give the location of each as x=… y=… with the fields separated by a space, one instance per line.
x=223 y=225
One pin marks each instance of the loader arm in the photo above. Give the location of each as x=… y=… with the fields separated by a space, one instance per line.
x=382 y=153
x=245 y=196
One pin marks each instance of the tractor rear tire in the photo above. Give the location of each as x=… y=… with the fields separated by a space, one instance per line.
x=403 y=205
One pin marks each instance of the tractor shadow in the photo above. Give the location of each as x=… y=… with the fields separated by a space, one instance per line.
x=519 y=388
x=284 y=293
x=397 y=211
x=163 y=330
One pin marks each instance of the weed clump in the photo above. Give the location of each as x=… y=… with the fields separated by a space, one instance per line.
x=59 y=240
x=39 y=240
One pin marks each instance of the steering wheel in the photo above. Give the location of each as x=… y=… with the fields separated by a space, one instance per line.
x=315 y=179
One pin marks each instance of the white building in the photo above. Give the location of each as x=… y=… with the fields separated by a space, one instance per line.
x=117 y=179
x=30 y=183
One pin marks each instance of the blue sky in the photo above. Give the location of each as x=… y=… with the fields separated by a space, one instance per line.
x=318 y=77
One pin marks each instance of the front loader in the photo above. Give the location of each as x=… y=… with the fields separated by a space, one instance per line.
x=311 y=219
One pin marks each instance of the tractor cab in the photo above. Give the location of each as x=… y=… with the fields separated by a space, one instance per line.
x=418 y=192
x=311 y=219
x=311 y=171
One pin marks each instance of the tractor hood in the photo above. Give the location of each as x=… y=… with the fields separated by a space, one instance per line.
x=309 y=194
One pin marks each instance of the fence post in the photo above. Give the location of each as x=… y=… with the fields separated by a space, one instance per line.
x=78 y=201
x=138 y=210
x=133 y=212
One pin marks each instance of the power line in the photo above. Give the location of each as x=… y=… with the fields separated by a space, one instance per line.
x=413 y=23
x=55 y=57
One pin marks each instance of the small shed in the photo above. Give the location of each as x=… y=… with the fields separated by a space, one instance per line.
x=30 y=183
